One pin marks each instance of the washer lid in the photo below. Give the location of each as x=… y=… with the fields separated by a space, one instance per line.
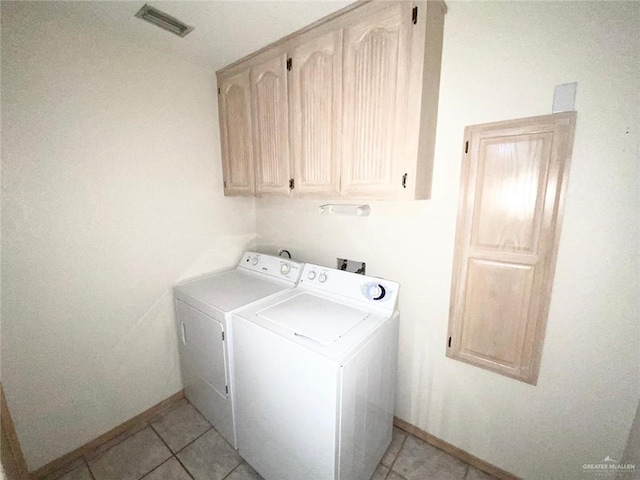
x=314 y=318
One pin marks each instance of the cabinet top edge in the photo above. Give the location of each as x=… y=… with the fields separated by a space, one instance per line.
x=286 y=38
x=357 y=4
x=568 y=117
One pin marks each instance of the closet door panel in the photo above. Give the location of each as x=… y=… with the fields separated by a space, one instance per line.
x=509 y=218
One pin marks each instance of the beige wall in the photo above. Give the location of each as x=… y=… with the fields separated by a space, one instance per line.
x=502 y=60
x=111 y=193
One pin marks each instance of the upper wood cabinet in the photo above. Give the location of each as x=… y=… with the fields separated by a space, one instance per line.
x=315 y=106
x=346 y=107
x=513 y=180
x=376 y=53
x=270 y=124
x=235 y=134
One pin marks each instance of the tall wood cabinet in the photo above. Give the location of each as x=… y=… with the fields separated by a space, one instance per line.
x=343 y=108
x=509 y=217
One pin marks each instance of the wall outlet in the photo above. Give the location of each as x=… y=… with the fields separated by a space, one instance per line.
x=352 y=266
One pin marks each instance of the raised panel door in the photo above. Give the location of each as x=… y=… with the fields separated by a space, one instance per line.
x=235 y=130
x=494 y=328
x=271 y=125
x=315 y=101
x=376 y=52
x=513 y=178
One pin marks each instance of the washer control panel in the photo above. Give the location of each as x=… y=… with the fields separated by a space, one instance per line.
x=316 y=274
x=278 y=267
x=351 y=285
x=374 y=291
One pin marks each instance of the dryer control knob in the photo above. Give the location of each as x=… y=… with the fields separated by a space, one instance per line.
x=254 y=261
x=311 y=275
x=285 y=268
x=322 y=278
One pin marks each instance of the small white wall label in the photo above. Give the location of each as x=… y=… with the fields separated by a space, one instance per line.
x=564 y=97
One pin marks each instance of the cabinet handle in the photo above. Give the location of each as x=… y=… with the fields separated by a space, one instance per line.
x=404 y=181
x=184 y=333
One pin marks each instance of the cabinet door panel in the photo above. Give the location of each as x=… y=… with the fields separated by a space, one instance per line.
x=513 y=177
x=235 y=129
x=495 y=313
x=374 y=103
x=271 y=125
x=511 y=186
x=315 y=96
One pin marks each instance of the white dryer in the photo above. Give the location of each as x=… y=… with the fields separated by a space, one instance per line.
x=315 y=371
x=203 y=312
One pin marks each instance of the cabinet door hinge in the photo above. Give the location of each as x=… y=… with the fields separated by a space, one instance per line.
x=404 y=181
x=449 y=342
x=291 y=184
x=466 y=146
x=289 y=63
x=414 y=15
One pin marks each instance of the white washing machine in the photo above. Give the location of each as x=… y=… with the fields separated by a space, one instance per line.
x=315 y=371
x=203 y=312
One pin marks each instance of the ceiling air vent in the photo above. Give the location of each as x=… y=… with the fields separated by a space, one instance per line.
x=162 y=20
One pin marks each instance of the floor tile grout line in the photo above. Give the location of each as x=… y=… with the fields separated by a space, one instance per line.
x=146 y=425
x=155 y=468
x=234 y=468
x=404 y=440
x=175 y=454
x=162 y=440
x=184 y=467
x=89 y=468
x=194 y=440
x=185 y=446
x=87 y=460
x=199 y=412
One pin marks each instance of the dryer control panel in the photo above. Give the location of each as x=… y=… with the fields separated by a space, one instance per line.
x=283 y=268
x=351 y=285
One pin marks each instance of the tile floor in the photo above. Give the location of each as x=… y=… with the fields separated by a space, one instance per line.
x=179 y=444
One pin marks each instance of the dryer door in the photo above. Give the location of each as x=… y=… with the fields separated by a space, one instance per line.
x=202 y=350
